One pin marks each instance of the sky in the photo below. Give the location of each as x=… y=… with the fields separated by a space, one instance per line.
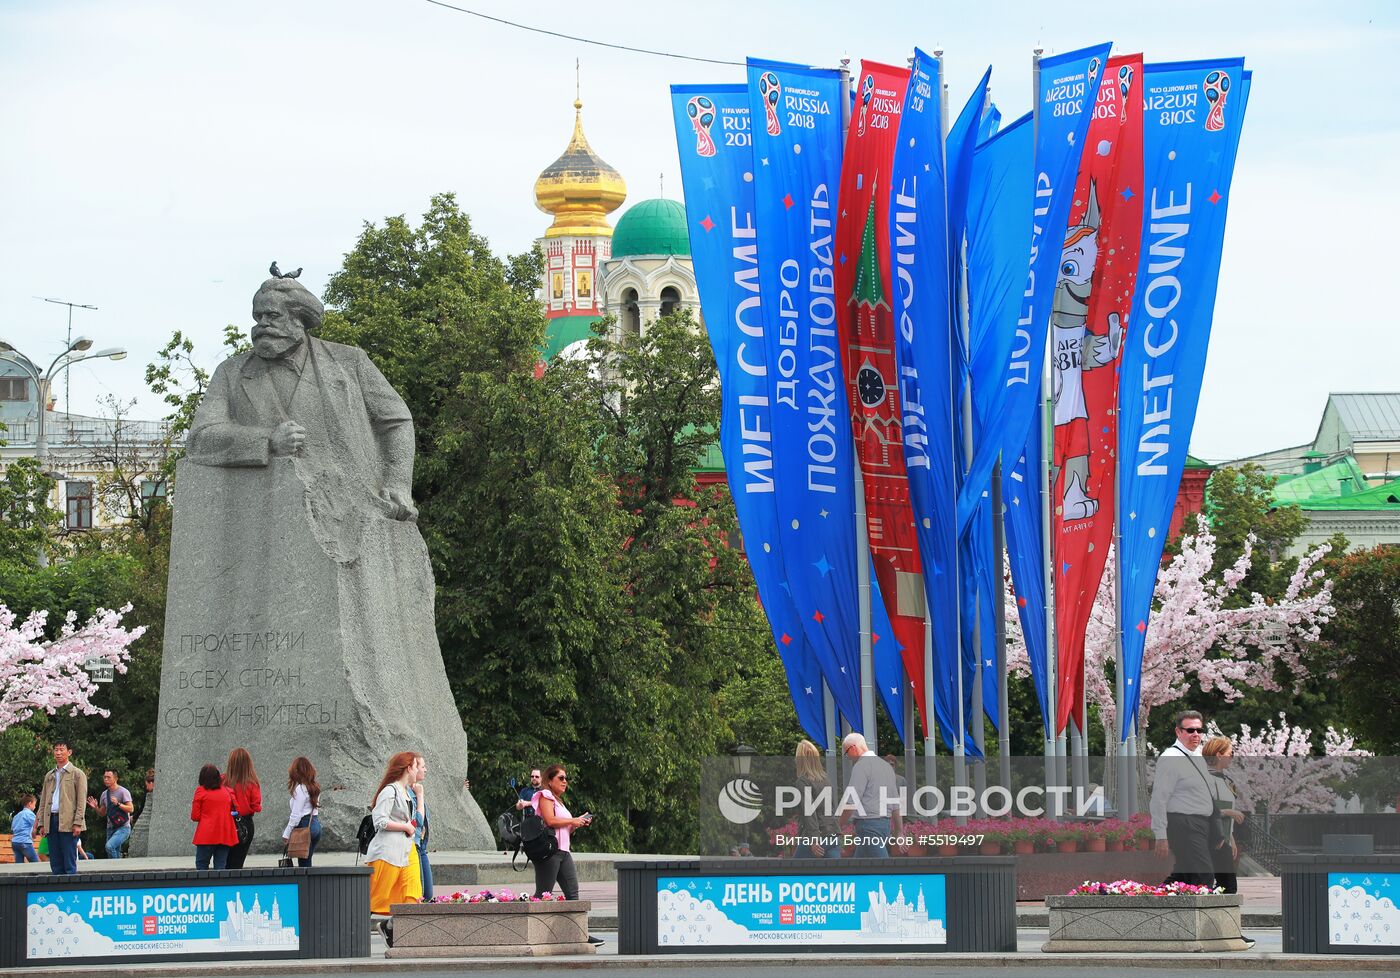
x=159 y=154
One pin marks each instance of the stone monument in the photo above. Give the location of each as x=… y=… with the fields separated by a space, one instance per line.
x=299 y=615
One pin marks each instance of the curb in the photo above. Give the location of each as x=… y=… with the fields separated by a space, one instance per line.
x=1239 y=961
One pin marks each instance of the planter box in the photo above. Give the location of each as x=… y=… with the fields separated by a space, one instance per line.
x=458 y=930
x=1145 y=923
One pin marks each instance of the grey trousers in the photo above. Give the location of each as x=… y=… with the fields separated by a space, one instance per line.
x=558 y=867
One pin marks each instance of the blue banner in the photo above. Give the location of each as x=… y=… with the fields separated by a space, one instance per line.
x=921 y=273
x=715 y=144
x=177 y=918
x=1065 y=102
x=796 y=114
x=885 y=651
x=1025 y=551
x=774 y=910
x=1193 y=113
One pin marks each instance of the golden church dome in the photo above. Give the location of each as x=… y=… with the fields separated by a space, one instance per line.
x=579 y=189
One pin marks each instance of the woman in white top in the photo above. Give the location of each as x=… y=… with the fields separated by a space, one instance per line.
x=392 y=856
x=305 y=800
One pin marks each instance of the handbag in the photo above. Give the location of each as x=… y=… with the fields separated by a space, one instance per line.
x=244 y=825
x=285 y=862
x=299 y=844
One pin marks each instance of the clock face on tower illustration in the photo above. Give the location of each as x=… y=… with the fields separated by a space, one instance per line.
x=870 y=385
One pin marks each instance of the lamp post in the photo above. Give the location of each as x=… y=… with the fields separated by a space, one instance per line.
x=76 y=352
x=741 y=757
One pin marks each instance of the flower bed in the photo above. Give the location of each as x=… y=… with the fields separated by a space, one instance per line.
x=1127 y=915
x=491 y=923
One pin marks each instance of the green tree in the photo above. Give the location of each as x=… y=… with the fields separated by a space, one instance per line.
x=1364 y=640
x=1240 y=502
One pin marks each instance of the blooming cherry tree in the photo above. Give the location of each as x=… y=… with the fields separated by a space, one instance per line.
x=40 y=676
x=1193 y=637
x=1276 y=766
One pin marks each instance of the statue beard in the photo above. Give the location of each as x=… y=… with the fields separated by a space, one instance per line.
x=274 y=344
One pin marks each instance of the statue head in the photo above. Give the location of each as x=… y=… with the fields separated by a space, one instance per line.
x=283 y=311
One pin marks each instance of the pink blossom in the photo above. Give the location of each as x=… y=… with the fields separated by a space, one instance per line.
x=41 y=676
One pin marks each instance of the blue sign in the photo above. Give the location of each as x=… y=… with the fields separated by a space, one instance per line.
x=1191 y=120
x=181 y=918
x=1363 y=909
x=829 y=908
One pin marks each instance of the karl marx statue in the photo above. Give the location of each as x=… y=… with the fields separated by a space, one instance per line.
x=299 y=615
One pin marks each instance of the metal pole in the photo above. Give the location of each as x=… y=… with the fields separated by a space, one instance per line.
x=931 y=721
x=999 y=597
x=1126 y=772
x=833 y=743
x=867 y=660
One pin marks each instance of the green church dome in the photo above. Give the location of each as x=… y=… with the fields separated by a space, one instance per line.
x=652 y=227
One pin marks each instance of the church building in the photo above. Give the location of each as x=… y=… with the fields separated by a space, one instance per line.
x=637 y=273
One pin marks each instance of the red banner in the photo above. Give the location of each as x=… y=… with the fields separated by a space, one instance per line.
x=1098 y=272
x=867 y=336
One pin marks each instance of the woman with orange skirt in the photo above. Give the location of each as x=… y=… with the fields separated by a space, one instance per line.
x=392 y=856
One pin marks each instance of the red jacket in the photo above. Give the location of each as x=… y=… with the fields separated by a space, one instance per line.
x=213 y=810
x=247 y=798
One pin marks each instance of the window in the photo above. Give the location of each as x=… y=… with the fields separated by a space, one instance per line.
x=631 y=314
x=14 y=389
x=152 y=492
x=79 y=514
x=670 y=300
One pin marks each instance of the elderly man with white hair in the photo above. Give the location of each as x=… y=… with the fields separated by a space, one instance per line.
x=878 y=810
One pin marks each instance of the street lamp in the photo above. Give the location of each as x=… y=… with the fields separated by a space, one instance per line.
x=43 y=383
x=741 y=759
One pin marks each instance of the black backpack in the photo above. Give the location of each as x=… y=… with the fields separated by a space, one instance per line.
x=537 y=840
x=364 y=835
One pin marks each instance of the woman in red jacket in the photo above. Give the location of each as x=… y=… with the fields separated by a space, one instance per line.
x=242 y=780
x=213 y=811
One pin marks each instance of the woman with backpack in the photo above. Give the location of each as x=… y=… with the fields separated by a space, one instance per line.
x=392 y=855
x=242 y=780
x=549 y=805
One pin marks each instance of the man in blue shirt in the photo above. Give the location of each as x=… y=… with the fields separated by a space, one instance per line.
x=528 y=792
x=22 y=831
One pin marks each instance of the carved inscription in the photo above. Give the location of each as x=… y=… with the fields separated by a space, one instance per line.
x=223 y=688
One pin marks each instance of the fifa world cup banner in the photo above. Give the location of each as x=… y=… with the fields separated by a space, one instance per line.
x=1093 y=298
x=1064 y=106
x=796 y=113
x=866 y=323
x=716 y=152
x=1192 y=114
x=922 y=299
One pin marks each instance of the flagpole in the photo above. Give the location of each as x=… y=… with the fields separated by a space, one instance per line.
x=867 y=660
x=978 y=719
x=931 y=720
x=1053 y=772
x=1126 y=770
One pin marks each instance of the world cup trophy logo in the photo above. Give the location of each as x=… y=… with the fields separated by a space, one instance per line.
x=702 y=116
x=1217 y=87
x=769 y=88
x=1093 y=70
x=867 y=92
x=1125 y=85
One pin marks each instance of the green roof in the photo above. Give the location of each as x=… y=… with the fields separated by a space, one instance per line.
x=564 y=330
x=1192 y=462
x=652 y=227
x=1325 y=483
x=1384 y=497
